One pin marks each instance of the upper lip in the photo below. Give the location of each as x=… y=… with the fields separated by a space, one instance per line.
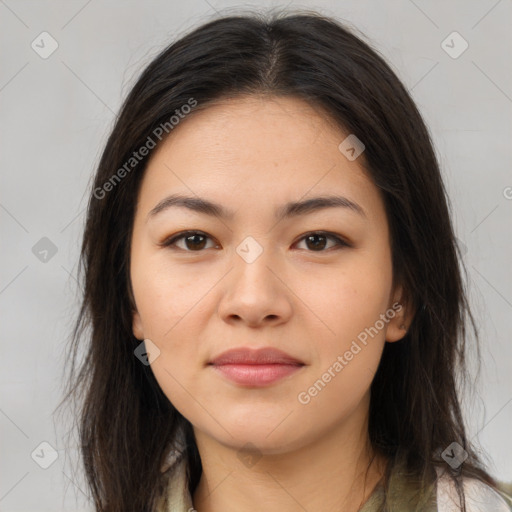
x=266 y=355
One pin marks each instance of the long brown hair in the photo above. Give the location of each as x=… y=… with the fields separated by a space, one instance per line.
x=125 y=421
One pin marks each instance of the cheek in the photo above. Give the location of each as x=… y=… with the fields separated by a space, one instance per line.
x=347 y=299
x=171 y=307
x=351 y=334
x=165 y=295
x=348 y=352
x=174 y=380
x=179 y=366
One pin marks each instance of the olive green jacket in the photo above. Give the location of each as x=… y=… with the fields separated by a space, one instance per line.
x=442 y=496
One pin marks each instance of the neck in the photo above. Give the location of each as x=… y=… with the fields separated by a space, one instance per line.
x=336 y=471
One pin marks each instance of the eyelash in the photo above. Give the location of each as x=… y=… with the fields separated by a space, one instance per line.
x=170 y=242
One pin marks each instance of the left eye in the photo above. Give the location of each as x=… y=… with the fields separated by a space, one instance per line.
x=314 y=239
x=196 y=240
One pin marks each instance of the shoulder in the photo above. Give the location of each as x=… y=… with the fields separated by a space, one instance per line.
x=479 y=496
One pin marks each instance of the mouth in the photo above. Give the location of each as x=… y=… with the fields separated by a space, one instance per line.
x=255 y=368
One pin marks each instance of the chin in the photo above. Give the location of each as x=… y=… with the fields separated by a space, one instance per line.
x=261 y=444
x=261 y=436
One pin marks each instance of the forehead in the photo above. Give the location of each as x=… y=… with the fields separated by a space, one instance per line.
x=249 y=124
x=273 y=150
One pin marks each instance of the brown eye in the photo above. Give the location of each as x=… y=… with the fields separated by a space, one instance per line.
x=317 y=241
x=195 y=241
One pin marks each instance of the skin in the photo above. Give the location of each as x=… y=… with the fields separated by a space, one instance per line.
x=251 y=155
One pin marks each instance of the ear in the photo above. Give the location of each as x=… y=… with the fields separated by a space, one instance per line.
x=138 y=331
x=400 y=322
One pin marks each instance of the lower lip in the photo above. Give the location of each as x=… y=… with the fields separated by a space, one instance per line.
x=256 y=374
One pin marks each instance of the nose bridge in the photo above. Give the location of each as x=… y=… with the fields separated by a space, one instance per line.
x=250 y=250
x=252 y=260
x=254 y=292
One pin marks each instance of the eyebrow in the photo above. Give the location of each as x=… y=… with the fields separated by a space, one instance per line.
x=291 y=209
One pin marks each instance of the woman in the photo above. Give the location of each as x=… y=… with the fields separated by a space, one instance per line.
x=272 y=285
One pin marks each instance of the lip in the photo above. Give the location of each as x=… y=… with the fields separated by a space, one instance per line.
x=256 y=368
x=265 y=355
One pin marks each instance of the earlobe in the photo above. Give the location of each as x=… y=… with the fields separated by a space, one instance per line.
x=396 y=330
x=403 y=314
x=138 y=331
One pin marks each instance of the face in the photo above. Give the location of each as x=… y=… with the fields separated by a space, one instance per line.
x=314 y=283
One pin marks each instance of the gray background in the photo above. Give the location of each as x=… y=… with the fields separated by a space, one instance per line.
x=57 y=112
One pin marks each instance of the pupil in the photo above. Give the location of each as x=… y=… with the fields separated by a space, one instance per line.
x=310 y=237
x=194 y=238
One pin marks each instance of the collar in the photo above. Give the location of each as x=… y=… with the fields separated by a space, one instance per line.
x=177 y=496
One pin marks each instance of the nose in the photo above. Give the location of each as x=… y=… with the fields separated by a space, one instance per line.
x=256 y=291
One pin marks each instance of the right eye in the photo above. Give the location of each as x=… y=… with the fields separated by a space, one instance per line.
x=193 y=239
